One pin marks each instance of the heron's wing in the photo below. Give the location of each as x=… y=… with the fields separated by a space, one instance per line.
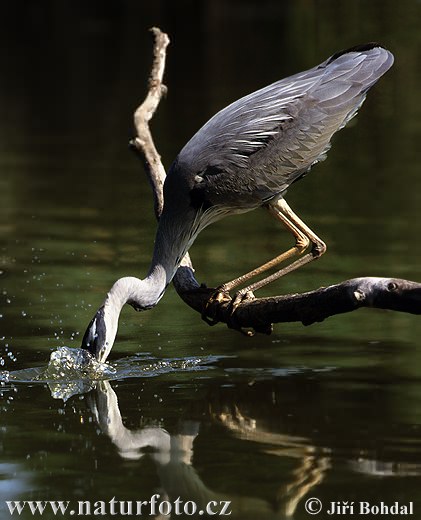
x=276 y=134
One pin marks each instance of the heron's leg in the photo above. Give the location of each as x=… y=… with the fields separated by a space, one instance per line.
x=318 y=248
x=301 y=244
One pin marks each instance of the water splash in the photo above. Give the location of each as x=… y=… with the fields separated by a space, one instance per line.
x=74 y=363
x=4 y=376
x=70 y=371
x=74 y=371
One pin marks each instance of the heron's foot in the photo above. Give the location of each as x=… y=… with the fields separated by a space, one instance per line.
x=240 y=297
x=220 y=295
x=243 y=296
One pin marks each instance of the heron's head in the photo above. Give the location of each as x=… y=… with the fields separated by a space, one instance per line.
x=99 y=335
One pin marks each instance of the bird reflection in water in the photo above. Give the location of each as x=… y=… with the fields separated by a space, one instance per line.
x=172 y=453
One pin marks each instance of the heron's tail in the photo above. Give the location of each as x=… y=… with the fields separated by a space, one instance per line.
x=348 y=75
x=373 y=57
x=336 y=97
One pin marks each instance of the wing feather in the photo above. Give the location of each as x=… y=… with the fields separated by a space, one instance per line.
x=273 y=136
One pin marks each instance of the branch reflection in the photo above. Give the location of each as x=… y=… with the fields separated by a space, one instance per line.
x=247 y=414
x=244 y=421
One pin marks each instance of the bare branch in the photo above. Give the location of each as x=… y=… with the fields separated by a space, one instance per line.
x=314 y=306
x=259 y=314
x=143 y=143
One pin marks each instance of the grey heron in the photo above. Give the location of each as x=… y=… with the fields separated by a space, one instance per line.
x=246 y=156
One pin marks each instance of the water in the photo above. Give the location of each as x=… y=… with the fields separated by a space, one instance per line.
x=181 y=409
x=73 y=371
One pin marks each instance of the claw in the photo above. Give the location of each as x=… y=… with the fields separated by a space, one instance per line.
x=219 y=296
x=240 y=297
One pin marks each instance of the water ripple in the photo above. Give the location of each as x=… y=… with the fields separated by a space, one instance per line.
x=74 y=371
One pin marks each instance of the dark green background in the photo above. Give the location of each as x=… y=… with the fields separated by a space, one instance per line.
x=76 y=214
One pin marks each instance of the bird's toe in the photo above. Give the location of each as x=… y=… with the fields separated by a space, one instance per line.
x=220 y=295
x=241 y=296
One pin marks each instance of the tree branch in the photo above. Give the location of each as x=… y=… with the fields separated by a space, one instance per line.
x=314 y=306
x=184 y=280
x=143 y=143
x=260 y=313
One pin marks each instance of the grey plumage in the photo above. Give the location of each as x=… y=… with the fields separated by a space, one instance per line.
x=256 y=147
x=246 y=156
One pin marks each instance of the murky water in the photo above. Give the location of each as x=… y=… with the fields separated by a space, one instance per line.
x=184 y=410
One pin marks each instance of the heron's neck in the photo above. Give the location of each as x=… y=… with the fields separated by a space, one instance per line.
x=140 y=294
x=177 y=229
x=171 y=243
x=173 y=238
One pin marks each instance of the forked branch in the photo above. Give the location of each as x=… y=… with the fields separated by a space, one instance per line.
x=260 y=313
